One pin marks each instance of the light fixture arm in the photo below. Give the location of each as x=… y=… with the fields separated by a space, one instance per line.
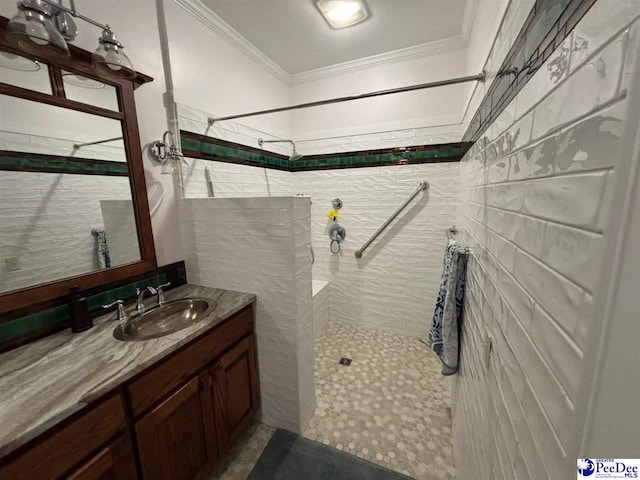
x=56 y=7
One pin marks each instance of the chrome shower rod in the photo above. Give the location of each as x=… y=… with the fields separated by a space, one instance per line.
x=378 y=93
x=97 y=142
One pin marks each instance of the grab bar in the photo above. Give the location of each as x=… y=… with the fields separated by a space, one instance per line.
x=423 y=186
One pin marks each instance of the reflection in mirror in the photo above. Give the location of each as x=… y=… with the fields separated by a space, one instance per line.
x=24 y=72
x=65 y=198
x=90 y=91
x=40 y=128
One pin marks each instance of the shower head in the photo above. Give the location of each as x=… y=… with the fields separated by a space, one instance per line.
x=294 y=155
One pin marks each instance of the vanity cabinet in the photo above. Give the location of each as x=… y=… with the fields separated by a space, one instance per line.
x=236 y=392
x=172 y=421
x=177 y=440
x=112 y=463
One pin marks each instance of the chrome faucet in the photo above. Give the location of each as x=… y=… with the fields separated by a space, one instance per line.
x=123 y=316
x=158 y=291
x=139 y=302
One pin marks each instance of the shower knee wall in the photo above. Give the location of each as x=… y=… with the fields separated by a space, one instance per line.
x=536 y=217
x=261 y=245
x=394 y=285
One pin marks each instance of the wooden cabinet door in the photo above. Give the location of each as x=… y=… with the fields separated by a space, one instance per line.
x=113 y=463
x=175 y=440
x=236 y=390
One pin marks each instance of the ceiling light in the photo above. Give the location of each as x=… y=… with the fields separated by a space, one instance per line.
x=343 y=13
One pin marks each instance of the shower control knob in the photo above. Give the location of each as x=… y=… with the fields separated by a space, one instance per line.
x=336 y=203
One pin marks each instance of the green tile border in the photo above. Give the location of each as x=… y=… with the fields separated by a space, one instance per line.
x=209 y=148
x=23 y=329
x=36 y=162
x=548 y=24
x=54 y=318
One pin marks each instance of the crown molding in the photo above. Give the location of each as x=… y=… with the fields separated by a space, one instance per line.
x=201 y=12
x=395 y=56
x=205 y=15
x=444 y=45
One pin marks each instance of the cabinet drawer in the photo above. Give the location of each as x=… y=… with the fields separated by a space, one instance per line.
x=145 y=391
x=114 y=462
x=57 y=453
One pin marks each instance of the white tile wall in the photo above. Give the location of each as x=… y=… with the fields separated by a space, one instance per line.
x=233 y=180
x=20 y=142
x=533 y=213
x=321 y=301
x=394 y=285
x=46 y=221
x=262 y=245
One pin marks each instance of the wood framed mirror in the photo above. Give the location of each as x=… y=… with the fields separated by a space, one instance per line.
x=73 y=199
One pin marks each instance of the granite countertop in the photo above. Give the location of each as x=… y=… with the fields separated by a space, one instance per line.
x=46 y=381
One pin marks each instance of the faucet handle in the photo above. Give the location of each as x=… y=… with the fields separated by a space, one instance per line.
x=123 y=317
x=160 y=291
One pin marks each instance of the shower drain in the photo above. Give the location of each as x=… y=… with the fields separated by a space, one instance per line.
x=345 y=361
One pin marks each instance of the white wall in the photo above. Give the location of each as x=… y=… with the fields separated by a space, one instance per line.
x=261 y=245
x=210 y=74
x=534 y=215
x=407 y=110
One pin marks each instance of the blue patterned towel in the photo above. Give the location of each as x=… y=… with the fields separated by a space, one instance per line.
x=444 y=333
x=104 y=259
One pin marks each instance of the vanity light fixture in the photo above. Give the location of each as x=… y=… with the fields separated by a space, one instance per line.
x=33 y=31
x=45 y=27
x=343 y=13
x=167 y=154
x=109 y=57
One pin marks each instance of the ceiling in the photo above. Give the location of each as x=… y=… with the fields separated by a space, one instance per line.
x=293 y=34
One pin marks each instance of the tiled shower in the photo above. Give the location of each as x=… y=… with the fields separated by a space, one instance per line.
x=534 y=206
x=530 y=150
x=531 y=200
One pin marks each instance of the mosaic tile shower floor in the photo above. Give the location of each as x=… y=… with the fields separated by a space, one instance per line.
x=388 y=407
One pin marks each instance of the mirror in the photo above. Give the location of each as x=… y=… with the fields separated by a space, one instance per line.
x=66 y=204
x=89 y=91
x=73 y=199
x=24 y=72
